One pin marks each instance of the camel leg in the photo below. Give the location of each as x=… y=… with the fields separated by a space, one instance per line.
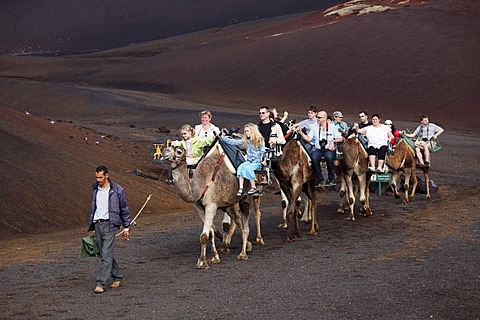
x=312 y=200
x=227 y=238
x=406 y=185
x=258 y=217
x=342 y=194
x=368 y=209
x=393 y=183
x=427 y=182
x=307 y=215
x=414 y=185
x=244 y=212
x=283 y=223
x=350 y=197
x=226 y=222
x=208 y=216
x=214 y=256
x=362 y=183
x=289 y=217
x=297 y=190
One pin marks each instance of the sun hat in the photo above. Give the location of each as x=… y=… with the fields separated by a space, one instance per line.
x=388 y=121
x=337 y=114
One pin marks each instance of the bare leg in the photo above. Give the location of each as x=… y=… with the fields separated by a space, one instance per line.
x=372 y=160
x=419 y=155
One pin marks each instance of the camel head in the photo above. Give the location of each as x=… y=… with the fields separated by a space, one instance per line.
x=174 y=155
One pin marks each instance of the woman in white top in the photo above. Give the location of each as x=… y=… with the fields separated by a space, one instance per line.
x=206 y=129
x=378 y=135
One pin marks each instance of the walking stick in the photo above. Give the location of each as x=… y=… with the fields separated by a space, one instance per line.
x=133 y=220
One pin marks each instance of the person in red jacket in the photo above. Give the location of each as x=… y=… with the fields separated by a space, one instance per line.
x=395 y=131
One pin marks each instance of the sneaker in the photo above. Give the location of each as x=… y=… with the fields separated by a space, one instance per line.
x=252 y=191
x=321 y=184
x=330 y=183
x=169 y=181
x=371 y=168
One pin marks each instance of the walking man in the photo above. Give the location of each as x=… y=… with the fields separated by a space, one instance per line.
x=109 y=210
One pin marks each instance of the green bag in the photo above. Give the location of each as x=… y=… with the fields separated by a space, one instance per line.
x=434 y=145
x=89 y=247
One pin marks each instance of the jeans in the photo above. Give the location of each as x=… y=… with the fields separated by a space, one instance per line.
x=106 y=242
x=329 y=155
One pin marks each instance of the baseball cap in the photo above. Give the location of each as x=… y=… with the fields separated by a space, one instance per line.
x=337 y=114
x=388 y=121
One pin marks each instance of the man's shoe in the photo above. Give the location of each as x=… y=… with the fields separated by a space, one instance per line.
x=99 y=289
x=329 y=183
x=115 y=284
x=321 y=184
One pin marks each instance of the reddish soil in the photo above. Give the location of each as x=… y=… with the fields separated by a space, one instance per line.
x=405 y=262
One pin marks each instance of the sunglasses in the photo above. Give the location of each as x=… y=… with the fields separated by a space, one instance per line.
x=320 y=117
x=262 y=112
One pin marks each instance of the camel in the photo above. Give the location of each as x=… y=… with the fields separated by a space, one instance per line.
x=353 y=168
x=404 y=160
x=212 y=185
x=295 y=175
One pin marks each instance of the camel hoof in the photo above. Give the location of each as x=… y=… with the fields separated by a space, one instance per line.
x=224 y=249
x=260 y=241
x=249 y=246
x=242 y=256
x=201 y=264
x=288 y=239
x=282 y=225
x=411 y=199
x=427 y=198
x=214 y=259
x=312 y=233
x=397 y=196
x=350 y=218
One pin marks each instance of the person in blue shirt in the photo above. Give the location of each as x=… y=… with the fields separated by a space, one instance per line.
x=255 y=146
x=325 y=135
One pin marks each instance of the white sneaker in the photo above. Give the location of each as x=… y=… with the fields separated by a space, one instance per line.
x=371 y=168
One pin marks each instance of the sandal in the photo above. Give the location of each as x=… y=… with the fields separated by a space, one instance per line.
x=239 y=192
x=252 y=191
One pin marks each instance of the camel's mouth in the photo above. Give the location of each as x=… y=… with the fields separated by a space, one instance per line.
x=167 y=154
